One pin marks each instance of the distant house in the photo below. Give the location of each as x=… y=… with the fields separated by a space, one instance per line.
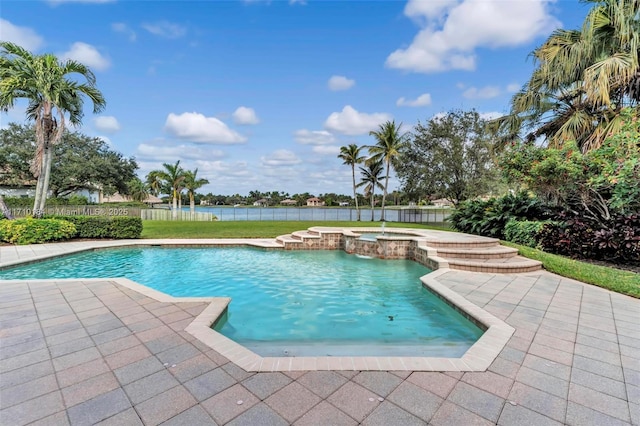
x=288 y=202
x=343 y=203
x=315 y=202
x=118 y=198
x=442 y=202
x=263 y=202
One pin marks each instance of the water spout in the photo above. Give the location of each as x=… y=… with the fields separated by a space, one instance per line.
x=383 y=228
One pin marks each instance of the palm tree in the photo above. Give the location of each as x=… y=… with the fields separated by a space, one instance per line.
x=171 y=177
x=583 y=79
x=389 y=143
x=137 y=190
x=350 y=155
x=191 y=183
x=154 y=183
x=371 y=176
x=51 y=92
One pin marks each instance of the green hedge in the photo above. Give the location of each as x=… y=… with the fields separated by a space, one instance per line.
x=35 y=231
x=523 y=232
x=116 y=227
x=489 y=217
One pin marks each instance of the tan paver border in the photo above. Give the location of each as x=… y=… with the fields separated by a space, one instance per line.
x=477 y=358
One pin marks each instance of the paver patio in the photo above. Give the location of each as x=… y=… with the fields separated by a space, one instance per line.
x=95 y=352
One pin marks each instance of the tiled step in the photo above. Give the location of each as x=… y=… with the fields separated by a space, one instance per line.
x=301 y=235
x=503 y=266
x=471 y=244
x=288 y=239
x=495 y=252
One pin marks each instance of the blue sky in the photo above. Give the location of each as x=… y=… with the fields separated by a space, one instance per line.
x=260 y=95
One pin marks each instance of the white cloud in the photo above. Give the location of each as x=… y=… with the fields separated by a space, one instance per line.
x=513 y=87
x=197 y=128
x=223 y=170
x=486 y=92
x=121 y=27
x=105 y=139
x=452 y=30
x=165 y=29
x=244 y=115
x=491 y=115
x=422 y=100
x=340 y=82
x=166 y=153
x=22 y=36
x=280 y=158
x=431 y=9
x=351 y=122
x=106 y=123
x=326 y=149
x=313 y=137
x=87 y=55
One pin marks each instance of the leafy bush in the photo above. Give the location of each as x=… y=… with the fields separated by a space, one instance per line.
x=599 y=183
x=27 y=202
x=621 y=241
x=77 y=200
x=616 y=240
x=117 y=227
x=523 y=232
x=35 y=231
x=489 y=218
x=123 y=227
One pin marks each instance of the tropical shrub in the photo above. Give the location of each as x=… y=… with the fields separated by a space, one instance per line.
x=523 y=232
x=116 y=227
x=35 y=231
x=617 y=240
x=27 y=202
x=77 y=200
x=596 y=185
x=489 y=217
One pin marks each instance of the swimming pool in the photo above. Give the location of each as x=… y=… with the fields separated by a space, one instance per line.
x=290 y=303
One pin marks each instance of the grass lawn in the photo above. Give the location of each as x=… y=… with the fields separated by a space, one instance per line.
x=248 y=229
x=625 y=282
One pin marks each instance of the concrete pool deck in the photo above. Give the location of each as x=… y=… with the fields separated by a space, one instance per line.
x=88 y=351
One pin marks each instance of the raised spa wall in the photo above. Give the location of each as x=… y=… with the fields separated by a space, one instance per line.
x=397 y=246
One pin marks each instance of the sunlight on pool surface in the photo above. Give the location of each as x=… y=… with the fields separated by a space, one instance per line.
x=288 y=303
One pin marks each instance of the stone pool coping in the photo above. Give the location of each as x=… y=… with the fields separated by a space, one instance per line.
x=478 y=358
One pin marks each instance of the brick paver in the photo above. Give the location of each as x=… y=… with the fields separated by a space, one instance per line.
x=92 y=351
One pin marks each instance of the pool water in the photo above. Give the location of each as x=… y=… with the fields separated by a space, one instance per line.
x=290 y=302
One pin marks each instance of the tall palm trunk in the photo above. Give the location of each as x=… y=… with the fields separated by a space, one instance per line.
x=48 y=159
x=174 y=212
x=46 y=130
x=39 y=184
x=384 y=194
x=372 y=204
x=4 y=209
x=192 y=203
x=355 y=194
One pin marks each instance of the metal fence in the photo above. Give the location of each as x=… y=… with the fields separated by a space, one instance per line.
x=434 y=215
x=430 y=215
x=424 y=215
x=164 y=214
